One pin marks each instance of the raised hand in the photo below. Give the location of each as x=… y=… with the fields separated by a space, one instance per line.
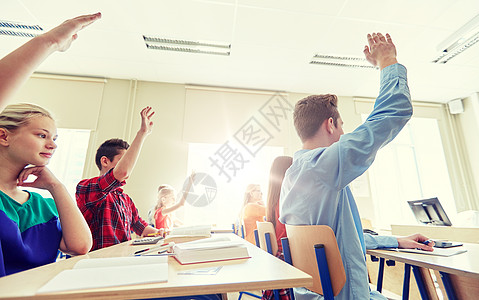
x=16 y=67
x=381 y=51
x=146 y=123
x=64 y=34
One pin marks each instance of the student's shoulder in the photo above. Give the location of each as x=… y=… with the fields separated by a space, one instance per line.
x=306 y=157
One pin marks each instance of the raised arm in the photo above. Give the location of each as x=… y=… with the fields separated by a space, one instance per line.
x=126 y=164
x=352 y=155
x=16 y=67
x=180 y=203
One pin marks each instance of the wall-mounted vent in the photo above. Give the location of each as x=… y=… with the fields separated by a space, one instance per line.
x=341 y=61
x=19 y=29
x=178 y=45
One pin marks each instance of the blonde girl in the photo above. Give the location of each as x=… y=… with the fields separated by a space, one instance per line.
x=166 y=205
x=33 y=228
x=253 y=210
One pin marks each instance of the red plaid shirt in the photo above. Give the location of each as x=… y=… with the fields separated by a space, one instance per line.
x=110 y=213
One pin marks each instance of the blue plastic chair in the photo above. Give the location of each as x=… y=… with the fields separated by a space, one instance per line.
x=265 y=235
x=307 y=244
x=240 y=232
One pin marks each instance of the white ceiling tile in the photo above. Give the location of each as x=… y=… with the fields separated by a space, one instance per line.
x=272 y=42
x=410 y=12
x=279 y=28
x=320 y=7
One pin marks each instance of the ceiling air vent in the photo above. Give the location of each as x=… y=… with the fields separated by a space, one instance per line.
x=341 y=61
x=178 y=45
x=19 y=29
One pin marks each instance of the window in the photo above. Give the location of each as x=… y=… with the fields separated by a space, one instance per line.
x=69 y=159
x=411 y=167
x=226 y=206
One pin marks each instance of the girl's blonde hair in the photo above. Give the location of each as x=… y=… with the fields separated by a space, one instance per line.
x=163 y=190
x=247 y=195
x=17 y=115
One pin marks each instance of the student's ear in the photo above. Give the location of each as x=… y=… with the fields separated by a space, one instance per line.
x=330 y=125
x=4 y=137
x=104 y=161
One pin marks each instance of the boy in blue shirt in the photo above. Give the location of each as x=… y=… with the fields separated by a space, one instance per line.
x=315 y=189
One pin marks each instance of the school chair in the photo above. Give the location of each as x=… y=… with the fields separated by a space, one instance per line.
x=240 y=232
x=313 y=249
x=266 y=239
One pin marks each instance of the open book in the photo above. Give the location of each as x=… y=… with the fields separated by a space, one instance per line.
x=210 y=249
x=437 y=251
x=188 y=233
x=108 y=272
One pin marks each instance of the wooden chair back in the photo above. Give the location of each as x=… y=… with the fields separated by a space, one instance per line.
x=263 y=228
x=302 y=239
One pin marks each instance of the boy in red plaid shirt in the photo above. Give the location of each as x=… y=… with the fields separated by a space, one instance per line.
x=109 y=212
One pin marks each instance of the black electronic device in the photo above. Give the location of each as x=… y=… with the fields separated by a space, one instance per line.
x=429 y=211
x=446 y=244
x=372 y=232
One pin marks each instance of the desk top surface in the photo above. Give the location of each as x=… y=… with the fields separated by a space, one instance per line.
x=261 y=271
x=464 y=264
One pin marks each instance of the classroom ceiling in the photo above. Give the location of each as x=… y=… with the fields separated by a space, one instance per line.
x=272 y=42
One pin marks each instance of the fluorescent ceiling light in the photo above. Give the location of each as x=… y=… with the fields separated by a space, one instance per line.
x=341 y=61
x=19 y=29
x=458 y=42
x=204 y=47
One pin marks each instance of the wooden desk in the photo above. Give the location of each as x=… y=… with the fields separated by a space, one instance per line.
x=459 y=273
x=261 y=271
x=458 y=234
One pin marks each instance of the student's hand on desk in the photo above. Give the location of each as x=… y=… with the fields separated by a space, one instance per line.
x=415 y=241
x=64 y=34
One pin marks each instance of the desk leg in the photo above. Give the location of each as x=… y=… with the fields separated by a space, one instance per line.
x=407 y=279
x=380 y=275
x=420 y=283
x=451 y=295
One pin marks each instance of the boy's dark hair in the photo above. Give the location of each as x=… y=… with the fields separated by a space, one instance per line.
x=110 y=149
x=310 y=113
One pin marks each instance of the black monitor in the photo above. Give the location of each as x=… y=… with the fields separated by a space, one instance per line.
x=429 y=211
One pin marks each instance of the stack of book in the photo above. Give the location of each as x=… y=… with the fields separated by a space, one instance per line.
x=217 y=248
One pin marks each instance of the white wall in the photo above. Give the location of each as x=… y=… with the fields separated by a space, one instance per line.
x=110 y=108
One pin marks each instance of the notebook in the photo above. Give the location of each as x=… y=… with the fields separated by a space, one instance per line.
x=436 y=252
x=109 y=272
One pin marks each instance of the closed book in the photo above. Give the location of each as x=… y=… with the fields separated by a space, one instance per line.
x=109 y=272
x=188 y=233
x=209 y=250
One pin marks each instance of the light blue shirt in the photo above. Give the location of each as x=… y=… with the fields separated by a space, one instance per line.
x=315 y=189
